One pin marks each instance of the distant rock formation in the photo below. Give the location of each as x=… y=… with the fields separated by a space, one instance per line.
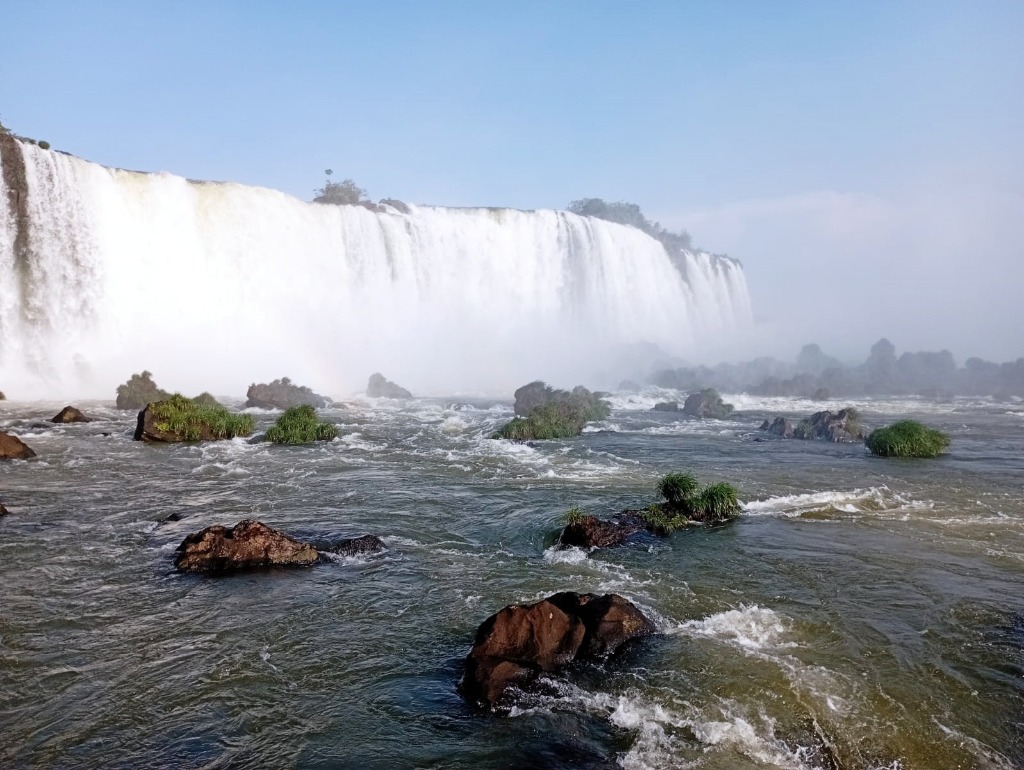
x=13 y=448
x=542 y=412
x=521 y=642
x=69 y=414
x=139 y=391
x=381 y=387
x=283 y=394
x=843 y=426
x=707 y=403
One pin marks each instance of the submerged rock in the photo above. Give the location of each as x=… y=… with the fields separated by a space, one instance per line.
x=381 y=387
x=666 y=406
x=283 y=394
x=13 y=448
x=592 y=532
x=707 y=403
x=248 y=545
x=69 y=414
x=516 y=645
x=357 y=546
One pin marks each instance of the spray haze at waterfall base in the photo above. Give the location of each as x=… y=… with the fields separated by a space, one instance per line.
x=212 y=285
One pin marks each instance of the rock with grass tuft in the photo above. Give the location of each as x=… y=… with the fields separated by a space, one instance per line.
x=300 y=425
x=179 y=418
x=907 y=438
x=543 y=412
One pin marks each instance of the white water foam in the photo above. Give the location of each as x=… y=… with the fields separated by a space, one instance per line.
x=853 y=501
x=752 y=628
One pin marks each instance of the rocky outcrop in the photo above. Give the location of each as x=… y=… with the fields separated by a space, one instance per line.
x=2 y=396
x=69 y=414
x=381 y=387
x=13 y=448
x=666 y=406
x=182 y=419
x=357 y=546
x=247 y=545
x=139 y=391
x=592 y=532
x=283 y=394
x=542 y=412
x=521 y=642
x=707 y=403
x=780 y=426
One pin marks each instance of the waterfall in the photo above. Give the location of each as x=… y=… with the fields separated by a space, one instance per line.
x=211 y=286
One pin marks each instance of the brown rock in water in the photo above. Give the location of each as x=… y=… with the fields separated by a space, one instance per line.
x=13 y=448
x=69 y=414
x=248 y=545
x=780 y=426
x=593 y=532
x=357 y=546
x=519 y=643
x=3 y=511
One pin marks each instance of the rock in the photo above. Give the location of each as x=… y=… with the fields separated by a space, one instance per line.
x=401 y=206
x=283 y=394
x=248 y=545
x=381 y=387
x=2 y=396
x=593 y=532
x=3 y=511
x=551 y=413
x=192 y=422
x=357 y=546
x=519 y=643
x=666 y=406
x=70 y=414
x=707 y=403
x=780 y=426
x=842 y=427
x=13 y=448
x=139 y=391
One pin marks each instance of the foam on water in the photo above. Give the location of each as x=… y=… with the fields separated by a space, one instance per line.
x=752 y=628
x=871 y=499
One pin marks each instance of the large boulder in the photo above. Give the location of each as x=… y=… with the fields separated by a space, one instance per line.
x=139 y=391
x=247 y=545
x=521 y=642
x=283 y=394
x=381 y=387
x=707 y=403
x=666 y=406
x=843 y=426
x=13 y=448
x=592 y=532
x=69 y=414
x=542 y=412
x=2 y=396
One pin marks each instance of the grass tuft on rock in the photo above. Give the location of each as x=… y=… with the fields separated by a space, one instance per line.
x=299 y=425
x=907 y=438
x=685 y=502
x=546 y=413
x=187 y=418
x=574 y=516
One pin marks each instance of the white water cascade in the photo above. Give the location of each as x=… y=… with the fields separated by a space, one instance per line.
x=212 y=286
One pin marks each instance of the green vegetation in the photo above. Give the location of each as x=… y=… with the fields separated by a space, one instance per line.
x=907 y=438
x=43 y=144
x=206 y=399
x=345 y=192
x=299 y=425
x=685 y=503
x=574 y=516
x=139 y=391
x=630 y=214
x=193 y=421
x=546 y=413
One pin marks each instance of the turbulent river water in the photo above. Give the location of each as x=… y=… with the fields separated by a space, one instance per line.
x=861 y=612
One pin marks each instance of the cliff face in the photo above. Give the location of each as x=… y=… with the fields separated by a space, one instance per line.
x=12 y=165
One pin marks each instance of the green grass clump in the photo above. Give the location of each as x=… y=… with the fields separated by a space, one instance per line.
x=551 y=414
x=191 y=420
x=206 y=399
x=574 y=516
x=299 y=425
x=907 y=438
x=685 y=502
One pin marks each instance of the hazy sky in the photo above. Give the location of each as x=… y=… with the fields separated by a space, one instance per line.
x=864 y=160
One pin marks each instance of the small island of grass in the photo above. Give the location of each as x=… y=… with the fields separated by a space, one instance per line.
x=180 y=418
x=907 y=438
x=546 y=413
x=299 y=425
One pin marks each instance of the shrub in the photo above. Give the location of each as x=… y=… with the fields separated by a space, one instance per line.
x=716 y=502
x=661 y=520
x=299 y=425
x=187 y=418
x=686 y=502
x=43 y=144
x=678 y=488
x=574 y=516
x=206 y=399
x=907 y=438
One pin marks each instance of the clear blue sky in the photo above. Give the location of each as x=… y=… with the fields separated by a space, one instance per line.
x=796 y=135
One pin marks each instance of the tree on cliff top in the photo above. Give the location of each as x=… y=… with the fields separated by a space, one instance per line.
x=630 y=214
x=339 y=193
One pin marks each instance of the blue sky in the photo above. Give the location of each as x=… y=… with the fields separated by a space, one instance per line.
x=876 y=144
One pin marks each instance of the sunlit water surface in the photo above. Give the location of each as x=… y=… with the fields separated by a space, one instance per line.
x=861 y=613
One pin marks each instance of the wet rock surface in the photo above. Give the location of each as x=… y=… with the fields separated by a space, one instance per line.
x=13 y=448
